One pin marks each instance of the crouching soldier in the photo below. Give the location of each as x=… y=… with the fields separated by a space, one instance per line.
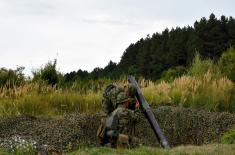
x=119 y=128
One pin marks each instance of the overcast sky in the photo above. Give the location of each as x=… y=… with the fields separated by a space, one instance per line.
x=84 y=34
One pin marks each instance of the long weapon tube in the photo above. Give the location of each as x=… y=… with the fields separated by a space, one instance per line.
x=149 y=114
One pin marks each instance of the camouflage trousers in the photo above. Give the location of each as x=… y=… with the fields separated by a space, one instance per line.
x=116 y=130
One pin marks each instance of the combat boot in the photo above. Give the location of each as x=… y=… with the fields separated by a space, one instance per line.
x=123 y=141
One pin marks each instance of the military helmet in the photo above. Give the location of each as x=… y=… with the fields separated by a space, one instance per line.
x=122 y=97
x=131 y=89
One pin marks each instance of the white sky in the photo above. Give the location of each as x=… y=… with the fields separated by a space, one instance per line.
x=84 y=34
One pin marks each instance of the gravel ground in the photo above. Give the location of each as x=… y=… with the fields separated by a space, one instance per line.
x=180 y=125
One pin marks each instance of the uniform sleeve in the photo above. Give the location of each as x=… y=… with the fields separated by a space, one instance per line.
x=134 y=115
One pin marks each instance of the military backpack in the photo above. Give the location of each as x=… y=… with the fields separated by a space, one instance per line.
x=109 y=101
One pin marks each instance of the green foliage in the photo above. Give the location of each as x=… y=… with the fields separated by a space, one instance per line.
x=151 y=56
x=200 y=67
x=86 y=85
x=203 y=88
x=48 y=73
x=72 y=76
x=11 y=77
x=4 y=152
x=24 y=149
x=227 y=63
x=228 y=137
x=201 y=92
x=143 y=150
x=173 y=73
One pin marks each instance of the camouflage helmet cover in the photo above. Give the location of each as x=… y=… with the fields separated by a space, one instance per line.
x=122 y=97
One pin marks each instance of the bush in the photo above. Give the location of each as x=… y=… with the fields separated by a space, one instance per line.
x=229 y=137
x=200 y=67
x=48 y=74
x=173 y=73
x=227 y=63
x=11 y=77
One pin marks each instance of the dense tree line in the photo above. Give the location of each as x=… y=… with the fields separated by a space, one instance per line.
x=151 y=56
x=162 y=55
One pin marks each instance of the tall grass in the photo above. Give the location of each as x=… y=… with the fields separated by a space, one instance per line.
x=201 y=92
x=42 y=99
x=200 y=66
x=202 y=87
x=36 y=99
x=55 y=103
x=196 y=92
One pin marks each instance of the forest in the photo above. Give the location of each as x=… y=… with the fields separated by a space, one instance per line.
x=155 y=56
x=173 y=49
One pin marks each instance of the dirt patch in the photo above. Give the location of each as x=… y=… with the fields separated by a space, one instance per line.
x=180 y=125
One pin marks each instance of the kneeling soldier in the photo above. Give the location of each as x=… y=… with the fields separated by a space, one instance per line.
x=120 y=124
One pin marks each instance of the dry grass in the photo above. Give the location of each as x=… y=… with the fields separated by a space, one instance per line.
x=38 y=99
x=202 y=92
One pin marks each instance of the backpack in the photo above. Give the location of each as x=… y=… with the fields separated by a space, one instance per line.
x=110 y=98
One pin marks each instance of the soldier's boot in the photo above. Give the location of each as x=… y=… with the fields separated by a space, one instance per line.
x=135 y=142
x=123 y=141
x=112 y=137
x=108 y=145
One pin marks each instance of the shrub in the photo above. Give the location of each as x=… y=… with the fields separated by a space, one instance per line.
x=48 y=74
x=227 y=63
x=173 y=73
x=200 y=67
x=229 y=137
x=11 y=77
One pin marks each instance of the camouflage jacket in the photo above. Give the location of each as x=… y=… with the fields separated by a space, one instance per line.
x=123 y=120
x=110 y=98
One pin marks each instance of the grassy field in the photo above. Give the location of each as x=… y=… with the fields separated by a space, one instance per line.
x=212 y=149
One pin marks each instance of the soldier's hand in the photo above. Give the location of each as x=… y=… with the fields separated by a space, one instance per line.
x=137 y=105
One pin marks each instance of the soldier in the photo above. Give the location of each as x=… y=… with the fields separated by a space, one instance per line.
x=110 y=98
x=108 y=106
x=110 y=102
x=120 y=124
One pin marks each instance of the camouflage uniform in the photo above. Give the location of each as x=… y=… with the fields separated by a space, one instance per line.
x=126 y=119
x=120 y=124
x=117 y=120
x=109 y=101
